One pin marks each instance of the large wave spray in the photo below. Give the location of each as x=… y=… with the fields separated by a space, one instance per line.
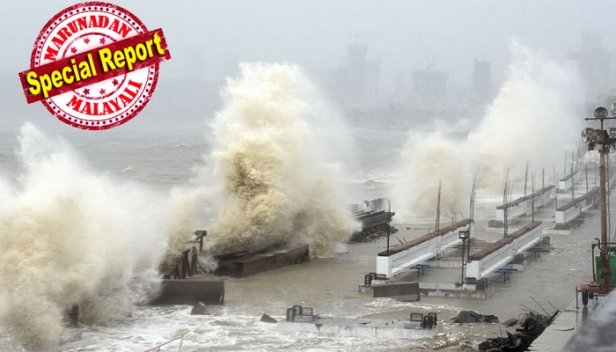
x=276 y=148
x=68 y=236
x=534 y=118
x=430 y=160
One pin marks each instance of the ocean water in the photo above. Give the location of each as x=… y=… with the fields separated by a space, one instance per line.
x=85 y=217
x=163 y=158
x=161 y=161
x=327 y=284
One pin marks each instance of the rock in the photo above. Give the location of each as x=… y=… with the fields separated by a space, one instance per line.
x=466 y=316
x=488 y=318
x=267 y=319
x=199 y=309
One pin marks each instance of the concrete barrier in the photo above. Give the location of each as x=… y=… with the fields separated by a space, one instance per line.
x=498 y=254
x=371 y=328
x=544 y=196
x=405 y=292
x=514 y=210
x=570 y=211
x=419 y=250
x=251 y=264
x=524 y=205
x=566 y=182
x=190 y=291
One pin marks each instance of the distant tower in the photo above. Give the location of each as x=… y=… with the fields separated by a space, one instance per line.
x=355 y=83
x=482 y=84
x=594 y=65
x=357 y=66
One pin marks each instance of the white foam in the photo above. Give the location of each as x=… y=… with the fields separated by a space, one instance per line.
x=533 y=119
x=69 y=235
x=275 y=163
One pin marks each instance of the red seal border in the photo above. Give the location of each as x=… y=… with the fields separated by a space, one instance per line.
x=37 y=50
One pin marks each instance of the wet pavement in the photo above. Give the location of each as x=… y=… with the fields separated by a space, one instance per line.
x=597 y=332
x=566 y=325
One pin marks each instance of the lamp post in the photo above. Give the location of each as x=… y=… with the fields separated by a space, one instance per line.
x=388 y=224
x=600 y=140
x=463 y=235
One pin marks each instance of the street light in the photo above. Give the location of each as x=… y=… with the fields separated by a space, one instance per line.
x=601 y=113
x=463 y=235
x=587 y=134
x=603 y=142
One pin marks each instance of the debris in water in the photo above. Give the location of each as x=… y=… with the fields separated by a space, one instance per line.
x=449 y=341
x=267 y=319
x=199 y=309
x=533 y=325
x=510 y=322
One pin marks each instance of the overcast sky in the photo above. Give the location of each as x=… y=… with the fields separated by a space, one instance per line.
x=315 y=33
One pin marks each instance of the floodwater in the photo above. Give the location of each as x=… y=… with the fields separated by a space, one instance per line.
x=329 y=285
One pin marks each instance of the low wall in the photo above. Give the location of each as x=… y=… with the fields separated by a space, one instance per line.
x=190 y=291
x=524 y=205
x=570 y=211
x=496 y=255
x=566 y=182
x=251 y=264
x=406 y=292
x=419 y=250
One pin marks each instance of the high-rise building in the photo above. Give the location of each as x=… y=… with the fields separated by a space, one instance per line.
x=594 y=65
x=357 y=66
x=430 y=86
x=335 y=85
x=355 y=83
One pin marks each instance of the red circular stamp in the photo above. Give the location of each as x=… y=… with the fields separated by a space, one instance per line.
x=94 y=65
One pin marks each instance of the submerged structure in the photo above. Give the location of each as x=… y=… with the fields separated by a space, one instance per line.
x=245 y=263
x=303 y=319
x=374 y=217
x=183 y=284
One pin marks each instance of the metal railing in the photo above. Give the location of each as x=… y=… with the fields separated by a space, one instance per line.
x=157 y=348
x=188 y=265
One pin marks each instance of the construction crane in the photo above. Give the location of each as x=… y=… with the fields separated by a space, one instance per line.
x=430 y=60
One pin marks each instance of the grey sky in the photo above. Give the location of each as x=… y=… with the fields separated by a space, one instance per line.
x=314 y=33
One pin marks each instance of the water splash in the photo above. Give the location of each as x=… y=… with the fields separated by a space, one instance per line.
x=534 y=118
x=71 y=236
x=275 y=161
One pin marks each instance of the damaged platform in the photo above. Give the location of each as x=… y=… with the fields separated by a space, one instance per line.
x=244 y=264
x=190 y=291
x=302 y=319
x=374 y=217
